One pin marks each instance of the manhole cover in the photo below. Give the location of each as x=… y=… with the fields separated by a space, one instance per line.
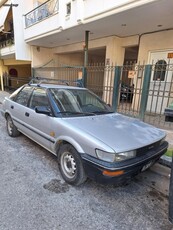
x=56 y=186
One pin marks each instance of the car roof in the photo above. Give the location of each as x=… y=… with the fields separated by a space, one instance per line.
x=54 y=86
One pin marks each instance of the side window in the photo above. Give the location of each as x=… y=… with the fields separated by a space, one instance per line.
x=39 y=98
x=68 y=8
x=24 y=95
x=160 y=70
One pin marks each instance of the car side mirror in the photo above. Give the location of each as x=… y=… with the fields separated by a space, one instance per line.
x=43 y=110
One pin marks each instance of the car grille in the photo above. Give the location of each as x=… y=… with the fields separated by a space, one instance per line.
x=147 y=148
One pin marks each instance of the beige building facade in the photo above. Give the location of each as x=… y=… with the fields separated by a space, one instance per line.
x=119 y=32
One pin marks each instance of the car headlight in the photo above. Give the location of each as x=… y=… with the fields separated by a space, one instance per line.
x=105 y=156
x=125 y=155
x=113 y=157
x=162 y=141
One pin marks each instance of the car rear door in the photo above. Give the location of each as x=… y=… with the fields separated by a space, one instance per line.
x=39 y=126
x=17 y=107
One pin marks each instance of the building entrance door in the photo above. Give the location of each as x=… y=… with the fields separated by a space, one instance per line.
x=161 y=83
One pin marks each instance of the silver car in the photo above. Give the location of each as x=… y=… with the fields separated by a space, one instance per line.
x=85 y=134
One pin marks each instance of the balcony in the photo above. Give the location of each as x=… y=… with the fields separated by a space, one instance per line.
x=40 y=13
x=6 y=39
x=7 y=46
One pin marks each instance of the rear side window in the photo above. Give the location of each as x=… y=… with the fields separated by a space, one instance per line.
x=39 y=98
x=24 y=95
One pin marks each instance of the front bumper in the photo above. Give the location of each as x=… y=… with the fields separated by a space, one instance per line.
x=168 y=114
x=96 y=168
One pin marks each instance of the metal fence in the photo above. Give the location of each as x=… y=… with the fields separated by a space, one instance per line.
x=141 y=91
x=68 y=74
x=12 y=83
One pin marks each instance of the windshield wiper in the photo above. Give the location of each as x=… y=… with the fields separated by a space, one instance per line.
x=103 y=112
x=77 y=113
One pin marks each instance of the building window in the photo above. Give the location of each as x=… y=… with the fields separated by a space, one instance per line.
x=69 y=8
x=160 y=70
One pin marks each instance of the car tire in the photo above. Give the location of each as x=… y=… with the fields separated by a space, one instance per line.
x=70 y=165
x=11 y=128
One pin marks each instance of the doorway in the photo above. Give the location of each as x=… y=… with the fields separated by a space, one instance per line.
x=130 y=59
x=161 y=83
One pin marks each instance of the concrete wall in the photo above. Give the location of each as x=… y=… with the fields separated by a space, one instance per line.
x=41 y=56
x=70 y=59
x=3 y=69
x=23 y=69
x=115 y=49
x=154 y=42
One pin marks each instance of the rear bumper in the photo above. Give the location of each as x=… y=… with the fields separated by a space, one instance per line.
x=95 y=168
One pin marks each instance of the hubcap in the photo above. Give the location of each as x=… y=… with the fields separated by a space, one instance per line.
x=68 y=164
x=10 y=126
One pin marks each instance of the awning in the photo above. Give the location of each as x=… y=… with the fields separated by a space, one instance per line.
x=3 y=14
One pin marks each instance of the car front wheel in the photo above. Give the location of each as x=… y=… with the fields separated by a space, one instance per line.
x=70 y=165
x=11 y=128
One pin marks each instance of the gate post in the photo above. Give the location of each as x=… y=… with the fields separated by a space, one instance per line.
x=32 y=73
x=117 y=75
x=171 y=195
x=84 y=77
x=145 y=90
x=2 y=83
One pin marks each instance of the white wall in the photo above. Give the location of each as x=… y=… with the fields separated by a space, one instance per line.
x=98 y=8
x=22 y=50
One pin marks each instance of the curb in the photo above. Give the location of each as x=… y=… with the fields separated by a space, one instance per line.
x=166 y=161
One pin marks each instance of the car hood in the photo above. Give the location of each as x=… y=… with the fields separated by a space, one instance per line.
x=119 y=132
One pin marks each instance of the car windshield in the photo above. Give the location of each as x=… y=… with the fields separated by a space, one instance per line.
x=78 y=102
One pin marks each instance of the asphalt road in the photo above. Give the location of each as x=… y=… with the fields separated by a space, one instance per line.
x=33 y=196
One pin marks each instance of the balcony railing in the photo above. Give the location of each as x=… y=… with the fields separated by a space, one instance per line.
x=6 y=41
x=41 y=12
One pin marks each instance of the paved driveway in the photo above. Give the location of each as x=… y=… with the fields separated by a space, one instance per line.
x=33 y=195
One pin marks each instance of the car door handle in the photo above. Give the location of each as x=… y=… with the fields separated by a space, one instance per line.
x=27 y=114
x=12 y=107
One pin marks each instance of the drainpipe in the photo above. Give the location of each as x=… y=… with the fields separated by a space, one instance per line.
x=84 y=78
x=1 y=75
x=86 y=48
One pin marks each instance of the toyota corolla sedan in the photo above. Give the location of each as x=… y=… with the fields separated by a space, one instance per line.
x=87 y=136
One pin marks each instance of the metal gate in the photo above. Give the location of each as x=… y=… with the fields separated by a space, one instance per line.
x=59 y=73
x=141 y=91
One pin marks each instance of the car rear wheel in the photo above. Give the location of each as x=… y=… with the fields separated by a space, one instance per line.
x=11 y=128
x=70 y=165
